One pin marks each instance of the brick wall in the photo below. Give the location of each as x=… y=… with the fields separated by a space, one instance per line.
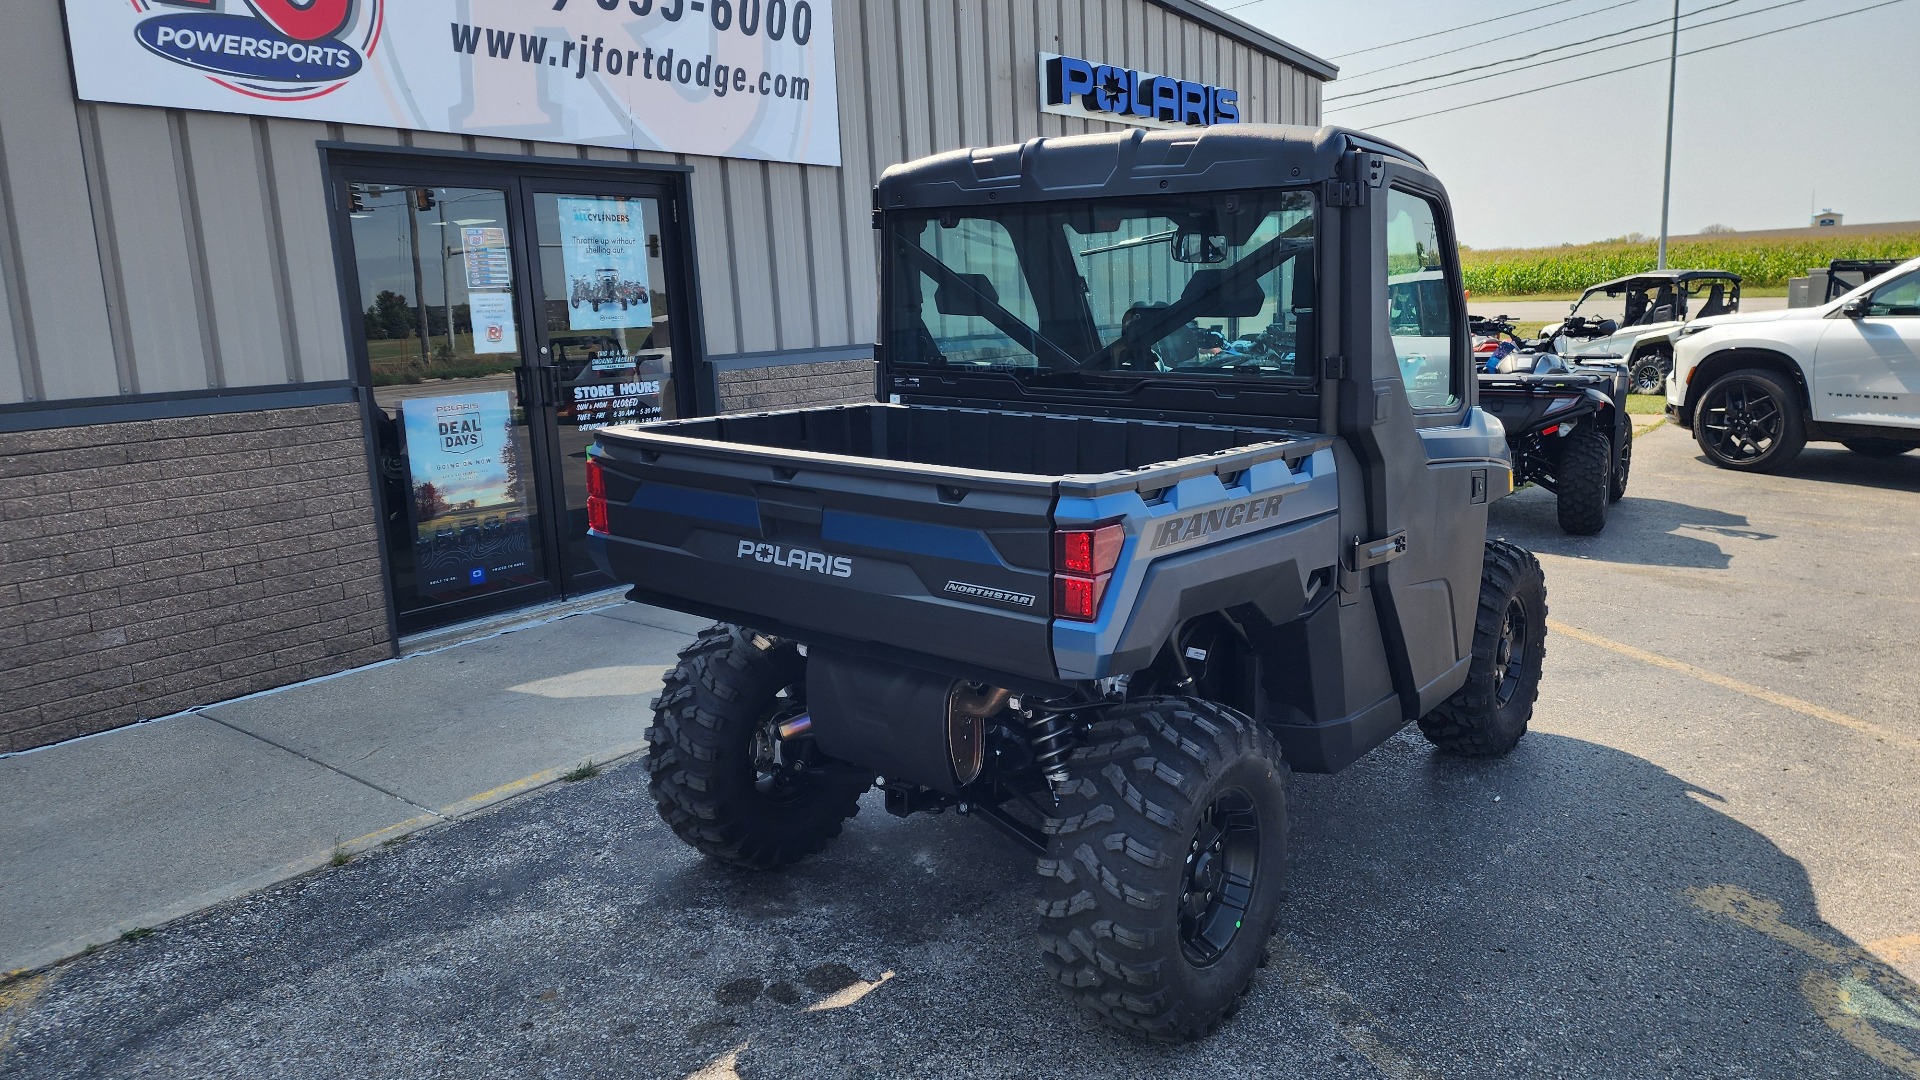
x=796 y=386
x=152 y=566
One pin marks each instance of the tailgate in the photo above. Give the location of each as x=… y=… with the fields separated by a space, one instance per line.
x=895 y=557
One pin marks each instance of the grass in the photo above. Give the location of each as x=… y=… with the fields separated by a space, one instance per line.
x=137 y=933
x=1764 y=264
x=1646 y=405
x=339 y=856
x=587 y=771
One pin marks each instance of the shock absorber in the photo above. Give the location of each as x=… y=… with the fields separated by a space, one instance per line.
x=1050 y=734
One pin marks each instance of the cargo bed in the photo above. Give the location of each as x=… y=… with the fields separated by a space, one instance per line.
x=912 y=529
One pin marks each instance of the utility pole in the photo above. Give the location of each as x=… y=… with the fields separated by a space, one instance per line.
x=1666 y=184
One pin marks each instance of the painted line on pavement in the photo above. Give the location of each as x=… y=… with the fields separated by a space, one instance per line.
x=1758 y=693
x=15 y=999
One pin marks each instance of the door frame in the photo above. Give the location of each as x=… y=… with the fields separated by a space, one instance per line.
x=516 y=177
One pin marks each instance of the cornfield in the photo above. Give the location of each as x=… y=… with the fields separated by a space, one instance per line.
x=1760 y=262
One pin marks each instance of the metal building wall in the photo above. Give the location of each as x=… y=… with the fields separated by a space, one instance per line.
x=149 y=251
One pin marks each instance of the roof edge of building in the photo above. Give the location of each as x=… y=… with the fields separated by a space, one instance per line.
x=1251 y=35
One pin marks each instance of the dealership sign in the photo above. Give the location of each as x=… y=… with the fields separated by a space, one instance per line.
x=725 y=78
x=1070 y=86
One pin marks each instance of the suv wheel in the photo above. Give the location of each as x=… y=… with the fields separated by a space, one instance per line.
x=718 y=770
x=1584 y=479
x=1487 y=716
x=1876 y=447
x=1168 y=863
x=1750 y=421
x=1649 y=372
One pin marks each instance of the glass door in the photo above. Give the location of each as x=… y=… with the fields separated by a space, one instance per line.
x=436 y=281
x=605 y=331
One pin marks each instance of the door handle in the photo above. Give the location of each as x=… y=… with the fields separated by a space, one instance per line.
x=1367 y=555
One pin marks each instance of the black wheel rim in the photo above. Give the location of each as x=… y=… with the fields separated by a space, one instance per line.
x=1648 y=379
x=1512 y=651
x=1217 y=886
x=1742 y=421
x=774 y=775
x=1624 y=466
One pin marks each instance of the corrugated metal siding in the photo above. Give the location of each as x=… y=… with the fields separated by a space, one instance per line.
x=145 y=251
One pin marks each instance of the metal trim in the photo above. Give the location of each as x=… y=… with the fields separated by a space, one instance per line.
x=80 y=412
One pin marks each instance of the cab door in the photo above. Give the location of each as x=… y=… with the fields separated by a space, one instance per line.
x=1867 y=368
x=1436 y=583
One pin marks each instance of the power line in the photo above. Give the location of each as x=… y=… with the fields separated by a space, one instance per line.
x=1440 y=33
x=1543 y=52
x=1556 y=60
x=1490 y=41
x=1632 y=67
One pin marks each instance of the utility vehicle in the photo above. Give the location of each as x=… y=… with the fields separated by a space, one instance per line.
x=1083 y=572
x=1755 y=389
x=1639 y=317
x=1566 y=422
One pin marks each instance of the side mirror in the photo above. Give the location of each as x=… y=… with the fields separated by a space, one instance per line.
x=1858 y=309
x=1607 y=328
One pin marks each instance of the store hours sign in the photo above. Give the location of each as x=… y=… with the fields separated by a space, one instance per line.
x=725 y=78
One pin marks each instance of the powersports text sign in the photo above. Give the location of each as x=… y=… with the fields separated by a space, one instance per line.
x=726 y=78
x=1070 y=86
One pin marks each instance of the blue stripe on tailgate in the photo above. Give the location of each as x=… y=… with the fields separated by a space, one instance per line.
x=893 y=534
x=691 y=502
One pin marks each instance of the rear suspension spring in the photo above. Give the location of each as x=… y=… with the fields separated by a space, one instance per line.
x=1051 y=735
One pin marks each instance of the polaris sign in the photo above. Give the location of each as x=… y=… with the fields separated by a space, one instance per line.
x=1073 y=87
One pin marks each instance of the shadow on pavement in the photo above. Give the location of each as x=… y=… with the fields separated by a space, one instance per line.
x=1642 y=532
x=1568 y=911
x=1830 y=463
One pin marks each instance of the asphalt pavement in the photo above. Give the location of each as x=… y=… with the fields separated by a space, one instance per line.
x=1700 y=863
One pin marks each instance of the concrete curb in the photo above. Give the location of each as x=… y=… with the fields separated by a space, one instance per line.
x=73 y=948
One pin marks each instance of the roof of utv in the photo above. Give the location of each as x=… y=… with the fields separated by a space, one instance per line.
x=1228 y=157
x=1661 y=277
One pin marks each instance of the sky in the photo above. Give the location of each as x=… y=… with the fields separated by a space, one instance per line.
x=1827 y=116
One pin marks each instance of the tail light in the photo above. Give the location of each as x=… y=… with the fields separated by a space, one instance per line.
x=596 y=498
x=1083 y=562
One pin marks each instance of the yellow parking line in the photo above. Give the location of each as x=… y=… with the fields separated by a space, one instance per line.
x=15 y=998
x=1758 y=693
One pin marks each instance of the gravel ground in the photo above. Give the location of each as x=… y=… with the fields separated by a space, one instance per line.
x=1706 y=868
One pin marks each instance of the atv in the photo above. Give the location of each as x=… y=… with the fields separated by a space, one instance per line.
x=1566 y=422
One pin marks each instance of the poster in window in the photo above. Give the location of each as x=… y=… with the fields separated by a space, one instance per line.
x=603 y=250
x=470 y=499
x=493 y=330
x=488 y=258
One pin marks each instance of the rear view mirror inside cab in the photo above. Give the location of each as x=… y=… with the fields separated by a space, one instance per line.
x=1194 y=247
x=966 y=295
x=1224 y=294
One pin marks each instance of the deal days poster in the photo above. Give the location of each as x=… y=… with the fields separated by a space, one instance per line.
x=470 y=499
x=726 y=78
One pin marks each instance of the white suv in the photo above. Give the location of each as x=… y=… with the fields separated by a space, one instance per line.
x=1755 y=388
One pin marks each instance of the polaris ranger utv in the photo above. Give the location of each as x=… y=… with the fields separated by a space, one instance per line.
x=1086 y=568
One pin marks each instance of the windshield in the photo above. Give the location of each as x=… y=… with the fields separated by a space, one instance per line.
x=1208 y=287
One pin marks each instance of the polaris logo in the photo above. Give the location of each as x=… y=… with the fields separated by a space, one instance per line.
x=797 y=559
x=1070 y=86
x=1223 y=519
x=985 y=592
